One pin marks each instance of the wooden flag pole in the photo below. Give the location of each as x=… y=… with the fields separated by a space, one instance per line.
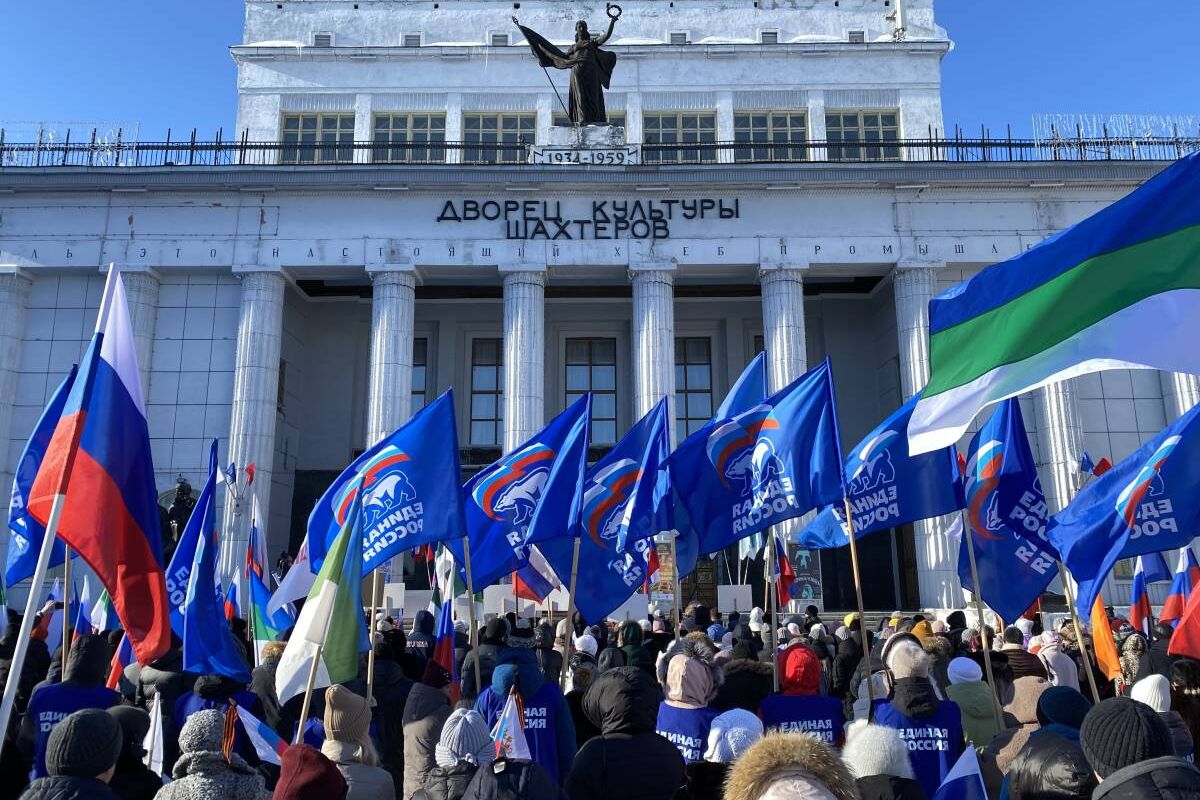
x=862 y=615
x=969 y=539
x=474 y=632
x=67 y=590
x=308 y=690
x=562 y=678
x=772 y=607
x=1065 y=577
x=376 y=591
x=675 y=598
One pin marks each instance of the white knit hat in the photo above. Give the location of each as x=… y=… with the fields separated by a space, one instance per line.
x=731 y=734
x=756 y=620
x=963 y=670
x=465 y=737
x=586 y=644
x=1154 y=691
x=875 y=750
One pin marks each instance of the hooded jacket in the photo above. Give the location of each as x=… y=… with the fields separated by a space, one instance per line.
x=82 y=687
x=1020 y=715
x=202 y=773
x=425 y=713
x=512 y=780
x=1167 y=778
x=977 y=705
x=548 y=725
x=489 y=656
x=447 y=783
x=791 y=766
x=1050 y=765
x=549 y=659
x=421 y=640
x=65 y=787
x=1061 y=669
x=746 y=684
x=621 y=703
x=691 y=677
x=364 y=782
x=629 y=638
x=799 y=707
x=392 y=689
x=934 y=728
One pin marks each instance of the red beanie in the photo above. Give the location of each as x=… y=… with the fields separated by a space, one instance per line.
x=304 y=773
x=801 y=671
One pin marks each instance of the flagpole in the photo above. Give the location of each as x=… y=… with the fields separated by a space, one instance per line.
x=376 y=590
x=562 y=678
x=675 y=599
x=68 y=590
x=471 y=615
x=308 y=690
x=862 y=614
x=969 y=538
x=1087 y=659
x=772 y=606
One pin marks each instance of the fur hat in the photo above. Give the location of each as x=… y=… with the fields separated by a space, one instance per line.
x=789 y=765
x=732 y=734
x=875 y=750
x=908 y=660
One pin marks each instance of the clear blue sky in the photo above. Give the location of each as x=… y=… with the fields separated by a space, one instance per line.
x=164 y=63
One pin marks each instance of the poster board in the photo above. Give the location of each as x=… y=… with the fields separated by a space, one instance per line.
x=734 y=598
x=635 y=608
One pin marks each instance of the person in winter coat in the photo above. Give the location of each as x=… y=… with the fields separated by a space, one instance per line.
x=203 y=773
x=940 y=653
x=799 y=707
x=732 y=734
x=1020 y=715
x=348 y=745
x=790 y=766
x=1160 y=659
x=689 y=674
x=1061 y=669
x=1129 y=748
x=37 y=656
x=511 y=779
x=262 y=686
x=217 y=691
x=1155 y=691
x=549 y=659
x=305 y=774
x=1134 y=658
x=1185 y=693
x=425 y=712
x=391 y=693
x=622 y=703
x=747 y=683
x=465 y=746
x=610 y=657
x=933 y=726
x=490 y=643
x=629 y=639
x=132 y=780
x=1020 y=661
x=81 y=754
x=549 y=728
x=975 y=700
x=846 y=659
x=1050 y=766
x=421 y=639
x=82 y=687
x=581 y=678
x=878 y=759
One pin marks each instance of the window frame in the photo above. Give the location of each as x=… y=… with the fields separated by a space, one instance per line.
x=768 y=32
x=747 y=149
x=296 y=149
x=404 y=39
x=570 y=395
x=687 y=38
x=409 y=151
x=317 y=34
x=683 y=390
x=862 y=148
x=420 y=361
x=498 y=152
x=496 y=391
x=679 y=152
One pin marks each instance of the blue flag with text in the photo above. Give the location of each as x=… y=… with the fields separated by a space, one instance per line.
x=411 y=493
x=1007 y=516
x=888 y=487
x=529 y=495
x=772 y=462
x=1147 y=503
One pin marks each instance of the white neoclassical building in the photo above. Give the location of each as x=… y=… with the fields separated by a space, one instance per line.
x=377 y=229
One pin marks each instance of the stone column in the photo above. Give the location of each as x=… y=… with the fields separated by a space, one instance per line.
x=937 y=559
x=15 y=286
x=1060 y=442
x=1181 y=391
x=783 y=325
x=524 y=355
x=141 y=293
x=255 y=397
x=389 y=396
x=653 y=328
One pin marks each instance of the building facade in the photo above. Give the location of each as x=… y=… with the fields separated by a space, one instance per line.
x=374 y=233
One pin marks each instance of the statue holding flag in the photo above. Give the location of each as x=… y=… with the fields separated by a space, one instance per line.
x=591 y=68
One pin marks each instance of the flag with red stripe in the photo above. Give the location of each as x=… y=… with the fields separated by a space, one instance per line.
x=1141 y=616
x=1187 y=577
x=443 y=647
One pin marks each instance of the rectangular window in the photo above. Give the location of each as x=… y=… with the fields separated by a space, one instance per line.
x=322 y=40
x=770 y=135
x=409 y=138
x=686 y=137
x=317 y=139
x=693 y=384
x=498 y=39
x=592 y=367
x=856 y=37
x=497 y=138
x=769 y=37
x=420 y=354
x=868 y=135
x=410 y=40
x=487 y=393
x=561 y=120
x=679 y=38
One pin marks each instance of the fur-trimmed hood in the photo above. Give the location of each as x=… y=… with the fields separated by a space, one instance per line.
x=789 y=765
x=686 y=685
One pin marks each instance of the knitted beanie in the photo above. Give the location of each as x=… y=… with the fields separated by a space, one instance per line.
x=1119 y=732
x=731 y=734
x=135 y=724
x=465 y=737
x=586 y=644
x=84 y=744
x=716 y=631
x=963 y=670
x=347 y=715
x=203 y=731
x=522 y=634
x=305 y=774
x=1154 y=691
x=1062 y=705
x=875 y=750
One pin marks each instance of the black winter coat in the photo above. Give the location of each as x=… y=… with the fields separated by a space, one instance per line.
x=447 y=783
x=889 y=787
x=513 y=780
x=133 y=781
x=628 y=760
x=747 y=684
x=705 y=781
x=61 y=787
x=845 y=662
x=1050 y=765
x=489 y=654
x=584 y=729
x=1167 y=778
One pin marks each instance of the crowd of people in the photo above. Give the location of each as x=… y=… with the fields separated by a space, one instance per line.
x=638 y=711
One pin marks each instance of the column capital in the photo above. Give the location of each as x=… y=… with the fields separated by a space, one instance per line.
x=522 y=269
x=653 y=274
x=15 y=272
x=145 y=271
x=781 y=271
x=906 y=264
x=402 y=274
x=258 y=269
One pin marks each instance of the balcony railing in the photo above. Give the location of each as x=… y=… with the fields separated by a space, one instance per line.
x=219 y=153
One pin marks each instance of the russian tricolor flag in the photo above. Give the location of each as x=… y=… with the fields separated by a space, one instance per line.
x=535 y=579
x=120 y=660
x=266 y=741
x=443 y=647
x=97 y=474
x=1187 y=577
x=1141 y=616
x=964 y=781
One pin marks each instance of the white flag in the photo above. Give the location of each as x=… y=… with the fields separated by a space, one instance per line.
x=509 y=733
x=296 y=584
x=153 y=743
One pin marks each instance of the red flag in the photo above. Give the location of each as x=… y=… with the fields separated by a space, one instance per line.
x=1186 y=640
x=652 y=567
x=250 y=474
x=1102 y=466
x=787 y=575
